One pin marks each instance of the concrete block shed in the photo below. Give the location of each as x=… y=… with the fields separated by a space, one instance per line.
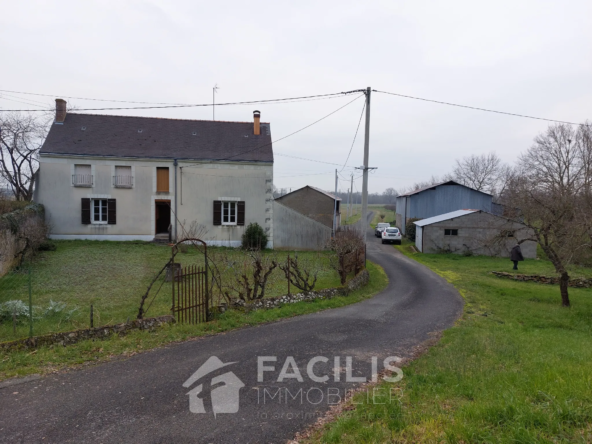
x=474 y=232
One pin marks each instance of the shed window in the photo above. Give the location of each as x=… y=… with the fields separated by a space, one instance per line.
x=450 y=232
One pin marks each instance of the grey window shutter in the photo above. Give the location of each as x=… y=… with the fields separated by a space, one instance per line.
x=111 y=212
x=217 y=212
x=85 y=211
x=240 y=213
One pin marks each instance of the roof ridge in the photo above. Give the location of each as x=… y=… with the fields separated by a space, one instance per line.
x=160 y=118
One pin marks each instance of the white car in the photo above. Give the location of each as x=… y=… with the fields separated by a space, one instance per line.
x=391 y=234
x=380 y=226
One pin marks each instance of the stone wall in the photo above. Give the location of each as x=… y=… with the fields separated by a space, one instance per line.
x=72 y=337
x=26 y=222
x=295 y=231
x=359 y=281
x=551 y=280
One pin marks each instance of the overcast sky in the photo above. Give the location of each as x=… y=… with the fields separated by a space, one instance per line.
x=527 y=57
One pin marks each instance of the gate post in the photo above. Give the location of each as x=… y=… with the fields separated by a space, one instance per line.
x=207 y=285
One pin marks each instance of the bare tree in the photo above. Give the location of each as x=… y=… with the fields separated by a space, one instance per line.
x=348 y=245
x=250 y=277
x=21 y=137
x=549 y=192
x=301 y=273
x=390 y=195
x=484 y=173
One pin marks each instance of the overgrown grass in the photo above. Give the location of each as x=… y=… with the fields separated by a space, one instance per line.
x=48 y=359
x=113 y=276
x=381 y=214
x=516 y=367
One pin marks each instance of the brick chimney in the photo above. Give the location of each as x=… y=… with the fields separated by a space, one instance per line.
x=256 y=123
x=60 y=115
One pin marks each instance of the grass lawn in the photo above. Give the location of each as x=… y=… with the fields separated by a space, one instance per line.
x=381 y=214
x=379 y=210
x=517 y=367
x=113 y=276
x=49 y=359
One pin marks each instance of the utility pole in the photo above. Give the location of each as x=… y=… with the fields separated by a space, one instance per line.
x=347 y=208
x=351 y=197
x=214 y=89
x=335 y=207
x=365 y=167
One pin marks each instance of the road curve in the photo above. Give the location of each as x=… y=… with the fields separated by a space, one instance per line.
x=142 y=399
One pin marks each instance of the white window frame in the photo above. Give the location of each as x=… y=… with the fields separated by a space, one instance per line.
x=75 y=168
x=115 y=176
x=92 y=209
x=229 y=205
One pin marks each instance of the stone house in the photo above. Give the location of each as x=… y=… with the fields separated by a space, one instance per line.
x=108 y=177
x=473 y=232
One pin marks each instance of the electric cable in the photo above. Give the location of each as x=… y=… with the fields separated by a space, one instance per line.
x=164 y=106
x=282 y=138
x=477 y=108
x=355 y=135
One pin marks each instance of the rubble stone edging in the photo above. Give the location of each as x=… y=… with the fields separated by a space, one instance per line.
x=72 y=337
x=550 y=280
x=359 y=281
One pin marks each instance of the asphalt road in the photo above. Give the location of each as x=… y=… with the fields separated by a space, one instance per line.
x=142 y=399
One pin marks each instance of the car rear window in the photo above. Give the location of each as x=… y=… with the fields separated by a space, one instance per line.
x=392 y=230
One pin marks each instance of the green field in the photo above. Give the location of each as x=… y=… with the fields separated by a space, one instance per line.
x=516 y=368
x=113 y=276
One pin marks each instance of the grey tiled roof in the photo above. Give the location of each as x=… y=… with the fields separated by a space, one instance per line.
x=149 y=137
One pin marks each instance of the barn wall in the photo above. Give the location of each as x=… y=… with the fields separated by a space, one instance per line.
x=479 y=234
x=447 y=198
x=295 y=231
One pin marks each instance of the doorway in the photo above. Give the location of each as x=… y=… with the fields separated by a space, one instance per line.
x=162 y=216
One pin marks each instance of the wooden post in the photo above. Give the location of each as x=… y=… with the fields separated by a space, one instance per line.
x=30 y=306
x=92 y=321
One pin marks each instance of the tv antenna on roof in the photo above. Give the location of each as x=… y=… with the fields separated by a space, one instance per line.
x=214 y=89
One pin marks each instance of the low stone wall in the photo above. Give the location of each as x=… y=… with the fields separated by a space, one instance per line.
x=10 y=224
x=550 y=280
x=72 y=337
x=360 y=280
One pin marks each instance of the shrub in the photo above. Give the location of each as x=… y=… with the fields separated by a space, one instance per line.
x=254 y=237
x=15 y=307
x=410 y=229
x=47 y=246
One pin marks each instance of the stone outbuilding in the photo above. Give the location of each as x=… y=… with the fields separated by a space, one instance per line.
x=314 y=203
x=473 y=232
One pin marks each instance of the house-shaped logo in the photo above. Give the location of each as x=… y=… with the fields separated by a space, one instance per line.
x=219 y=393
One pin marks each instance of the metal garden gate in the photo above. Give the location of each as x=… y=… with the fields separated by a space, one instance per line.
x=191 y=292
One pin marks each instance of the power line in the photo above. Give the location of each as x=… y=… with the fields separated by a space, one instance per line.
x=310 y=160
x=26 y=99
x=26 y=103
x=300 y=175
x=476 y=108
x=250 y=102
x=355 y=135
x=285 y=137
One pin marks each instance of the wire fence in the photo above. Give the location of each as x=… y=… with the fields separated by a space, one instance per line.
x=91 y=284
